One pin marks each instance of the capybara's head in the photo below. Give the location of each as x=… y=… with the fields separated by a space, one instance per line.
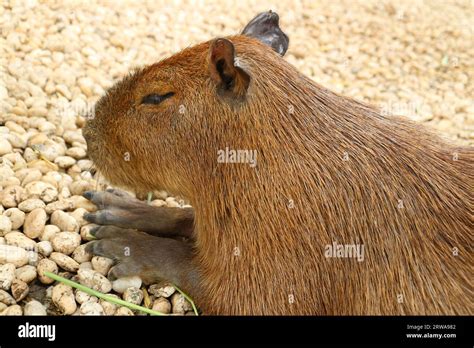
x=151 y=129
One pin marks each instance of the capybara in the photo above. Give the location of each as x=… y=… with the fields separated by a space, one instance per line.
x=304 y=202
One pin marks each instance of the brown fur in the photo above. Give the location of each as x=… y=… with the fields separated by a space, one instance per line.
x=408 y=251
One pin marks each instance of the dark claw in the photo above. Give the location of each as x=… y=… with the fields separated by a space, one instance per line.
x=101 y=248
x=90 y=247
x=88 y=194
x=93 y=231
x=111 y=275
x=89 y=217
x=101 y=217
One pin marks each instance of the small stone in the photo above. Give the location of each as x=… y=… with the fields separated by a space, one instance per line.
x=179 y=304
x=121 y=284
x=82 y=202
x=31 y=204
x=6 y=298
x=34 y=308
x=162 y=305
x=63 y=298
x=78 y=215
x=14 y=310
x=64 y=161
x=5 y=147
x=102 y=264
x=10 y=196
x=7 y=275
x=42 y=190
x=109 y=308
x=91 y=308
x=76 y=152
x=82 y=297
x=66 y=242
x=133 y=295
x=64 y=261
x=80 y=254
x=35 y=223
x=16 y=216
x=124 y=311
x=64 y=221
x=26 y=273
x=59 y=205
x=49 y=232
x=20 y=240
x=45 y=248
x=19 y=289
x=12 y=254
x=85 y=265
x=5 y=225
x=161 y=291
x=46 y=265
x=94 y=280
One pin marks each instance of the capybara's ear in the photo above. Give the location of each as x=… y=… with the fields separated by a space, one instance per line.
x=231 y=80
x=265 y=28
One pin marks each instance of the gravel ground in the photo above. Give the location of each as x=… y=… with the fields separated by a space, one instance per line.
x=57 y=58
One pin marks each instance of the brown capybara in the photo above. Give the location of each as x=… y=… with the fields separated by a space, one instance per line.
x=304 y=201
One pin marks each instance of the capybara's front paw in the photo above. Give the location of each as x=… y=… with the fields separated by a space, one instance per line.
x=121 y=209
x=135 y=253
x=115 y=207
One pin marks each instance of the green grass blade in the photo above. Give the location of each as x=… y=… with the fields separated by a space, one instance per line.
x=187 y=298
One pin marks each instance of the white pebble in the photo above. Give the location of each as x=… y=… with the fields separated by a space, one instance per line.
x=16 y=216
x=64 y=161
x=19 y=289
x=7 y=274
x=14 y=310
x=46 y=265
x=63 y=298
x=20 y=240
x=45 y=248
x=12 y=254
x=162 y=305
x=6 y=298
x=34 y=308
x=82 y=297
x=26 y=273
x=66 y=242
x=64 y=221
x=161 y=291
x=64 y=261
x=35 y=223
x=42 y=190
x=133 y=295
x=31 y=204
x=5 y=147
x=5 y=225
x=49 y=232
x=94 y=280
x=102 y=264
x=80 y=254
x=124 y=311
x=180 y=304
x=109 y=308
x=91 y=308
x=121 y=284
